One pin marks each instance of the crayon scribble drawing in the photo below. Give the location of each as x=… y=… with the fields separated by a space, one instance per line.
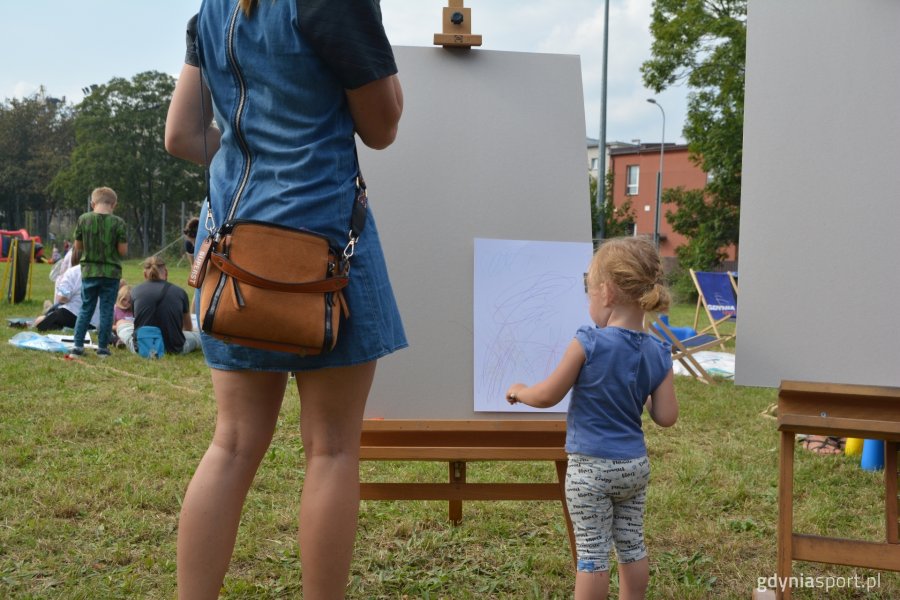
x=528 y=301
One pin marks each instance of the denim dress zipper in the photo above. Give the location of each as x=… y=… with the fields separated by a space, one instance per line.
x=245 y=175
x=236 y=121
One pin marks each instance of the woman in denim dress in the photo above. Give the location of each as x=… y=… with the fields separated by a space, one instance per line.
x=289 y=83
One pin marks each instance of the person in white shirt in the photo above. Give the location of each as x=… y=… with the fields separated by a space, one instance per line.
x=68 y=302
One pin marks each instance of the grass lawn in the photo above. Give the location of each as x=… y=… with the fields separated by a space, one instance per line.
x=95 y=457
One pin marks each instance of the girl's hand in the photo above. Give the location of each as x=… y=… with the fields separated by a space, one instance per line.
x=513 y=391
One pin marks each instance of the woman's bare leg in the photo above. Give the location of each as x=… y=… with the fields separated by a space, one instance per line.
x=248 y=403
x=332 y=403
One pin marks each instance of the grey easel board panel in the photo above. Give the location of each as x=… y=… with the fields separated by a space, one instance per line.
x=819 y=275
x=491 y=145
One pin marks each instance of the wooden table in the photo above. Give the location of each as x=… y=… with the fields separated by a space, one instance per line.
x=857 y=411
x=458 y=442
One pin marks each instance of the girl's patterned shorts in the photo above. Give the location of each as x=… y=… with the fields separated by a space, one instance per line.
x=606 y=500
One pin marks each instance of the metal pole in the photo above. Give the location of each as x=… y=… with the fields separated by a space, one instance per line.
x=659 y=176
x=601 y=141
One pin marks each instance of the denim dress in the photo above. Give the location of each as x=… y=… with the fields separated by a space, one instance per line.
x=288 y=157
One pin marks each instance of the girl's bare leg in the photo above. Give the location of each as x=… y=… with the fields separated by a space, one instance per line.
x=633 y=579
x=591 y=586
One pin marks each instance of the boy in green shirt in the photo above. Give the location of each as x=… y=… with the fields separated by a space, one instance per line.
x=100 y=244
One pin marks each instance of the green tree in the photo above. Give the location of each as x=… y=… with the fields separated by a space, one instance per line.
x=36 y=137
x=119 y=129
x=617 y=221
x=702 y=43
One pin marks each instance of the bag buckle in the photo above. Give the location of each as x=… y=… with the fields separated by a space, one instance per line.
x=210 y=223
x=350 y=248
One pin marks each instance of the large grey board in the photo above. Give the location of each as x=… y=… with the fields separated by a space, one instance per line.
x=491 y=145
x=820 y=213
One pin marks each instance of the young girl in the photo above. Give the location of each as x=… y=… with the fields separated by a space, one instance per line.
x=122 y=311
x=612 y=369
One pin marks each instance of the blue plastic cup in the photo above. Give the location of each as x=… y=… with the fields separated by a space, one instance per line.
x=872 y=455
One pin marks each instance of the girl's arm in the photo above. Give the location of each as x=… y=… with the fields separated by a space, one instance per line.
x=662 y=405
x=185 y=126
x=553 y=389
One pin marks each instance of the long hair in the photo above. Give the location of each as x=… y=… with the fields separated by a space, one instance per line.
x=123 y=295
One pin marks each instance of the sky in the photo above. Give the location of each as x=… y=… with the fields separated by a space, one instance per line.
x=65 y=46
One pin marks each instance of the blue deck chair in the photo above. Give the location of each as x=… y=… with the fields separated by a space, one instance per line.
x=717 y=297
x=683 y=350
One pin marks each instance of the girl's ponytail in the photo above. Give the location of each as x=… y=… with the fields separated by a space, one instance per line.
x=656 y=299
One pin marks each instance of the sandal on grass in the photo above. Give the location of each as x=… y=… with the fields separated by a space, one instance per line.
x=820 y=444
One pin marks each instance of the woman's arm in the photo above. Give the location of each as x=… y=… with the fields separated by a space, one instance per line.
x=185 y=126
x=553 y=389
x=376 y=109
x=663 y=406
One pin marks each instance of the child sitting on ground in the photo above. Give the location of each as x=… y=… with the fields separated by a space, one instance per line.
x=122 y=311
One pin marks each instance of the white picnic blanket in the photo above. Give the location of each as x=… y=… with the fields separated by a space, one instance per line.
x=31 y=340
x=715 y=363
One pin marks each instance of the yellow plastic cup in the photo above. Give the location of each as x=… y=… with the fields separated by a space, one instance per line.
x=853 y=447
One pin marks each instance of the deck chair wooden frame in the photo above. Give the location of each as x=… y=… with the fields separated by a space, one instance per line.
x=703 y=303
x=683 y=350
x=734 y=282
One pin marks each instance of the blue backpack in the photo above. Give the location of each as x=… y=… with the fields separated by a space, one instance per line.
x=150 y=342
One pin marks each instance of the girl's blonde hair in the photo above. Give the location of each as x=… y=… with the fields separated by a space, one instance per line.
x=153 y=268
x=124 y=294
x=633 y=267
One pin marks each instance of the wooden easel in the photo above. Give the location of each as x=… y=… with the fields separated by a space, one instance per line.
x=460 y=442
x=457 y=31
x=859 y=411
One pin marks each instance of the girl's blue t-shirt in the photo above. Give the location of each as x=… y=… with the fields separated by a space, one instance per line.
x=621 y=369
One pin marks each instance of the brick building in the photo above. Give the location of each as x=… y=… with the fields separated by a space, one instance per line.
x=635 y=168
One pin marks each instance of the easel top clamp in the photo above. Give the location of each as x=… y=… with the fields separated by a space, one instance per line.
x=457 y=32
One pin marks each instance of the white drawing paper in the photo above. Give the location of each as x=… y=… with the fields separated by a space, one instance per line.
x=528 y=302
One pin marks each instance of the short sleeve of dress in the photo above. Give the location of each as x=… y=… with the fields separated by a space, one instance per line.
x=191 y=56
x=665 y=353
x=585 y=337
x=665 y=360
x=349 y=38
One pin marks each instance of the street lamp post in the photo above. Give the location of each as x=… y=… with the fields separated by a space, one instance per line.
x=659 y=176
x=601 y=143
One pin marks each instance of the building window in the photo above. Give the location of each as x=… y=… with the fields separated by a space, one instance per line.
x=593 y=164
x=632 y=174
